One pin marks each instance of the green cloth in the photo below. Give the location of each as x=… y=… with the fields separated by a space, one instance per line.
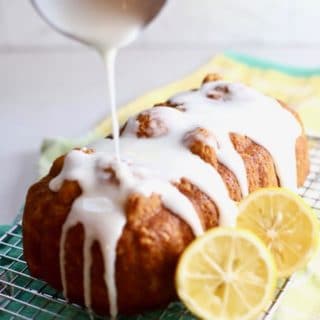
x=270 y=65
x=3 y=229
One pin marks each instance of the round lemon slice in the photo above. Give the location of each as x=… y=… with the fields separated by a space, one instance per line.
x=226 y=274
x=285 y=223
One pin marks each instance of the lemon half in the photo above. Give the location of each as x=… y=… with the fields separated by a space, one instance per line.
x=285 y=223
x=226 y=274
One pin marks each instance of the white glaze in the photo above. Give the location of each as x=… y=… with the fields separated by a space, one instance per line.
x=249 y=113
x=152 y=164
x=100 y=209
x=109 y=57
x=106 y=25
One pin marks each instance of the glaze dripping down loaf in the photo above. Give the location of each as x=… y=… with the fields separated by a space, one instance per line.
x=109 y=234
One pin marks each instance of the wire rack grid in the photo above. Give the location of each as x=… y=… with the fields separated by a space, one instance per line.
x=25 y=297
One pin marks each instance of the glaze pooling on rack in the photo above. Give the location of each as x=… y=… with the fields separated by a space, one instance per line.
x=153 y=162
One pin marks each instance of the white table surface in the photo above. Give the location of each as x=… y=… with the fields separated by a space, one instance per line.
x=51 y=87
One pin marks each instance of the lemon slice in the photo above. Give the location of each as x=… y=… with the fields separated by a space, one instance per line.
x=285 y=223
x=226 y=274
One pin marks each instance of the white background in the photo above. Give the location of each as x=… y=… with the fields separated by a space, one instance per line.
x=50 y=86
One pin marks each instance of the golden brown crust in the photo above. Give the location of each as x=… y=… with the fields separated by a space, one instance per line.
x=195 y=141
x=302 y=156
x=258 y=162
x=212 y=77
x=44 y=214
x=170 y=104
x=146 y=124
x=147 y=252
x=153 y=237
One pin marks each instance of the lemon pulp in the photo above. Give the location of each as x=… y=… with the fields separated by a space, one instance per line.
x=285 y=223
x=226 y=274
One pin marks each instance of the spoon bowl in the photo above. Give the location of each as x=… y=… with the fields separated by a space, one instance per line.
x=101 y=23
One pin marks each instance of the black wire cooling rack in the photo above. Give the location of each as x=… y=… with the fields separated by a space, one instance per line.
x=25 y=297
